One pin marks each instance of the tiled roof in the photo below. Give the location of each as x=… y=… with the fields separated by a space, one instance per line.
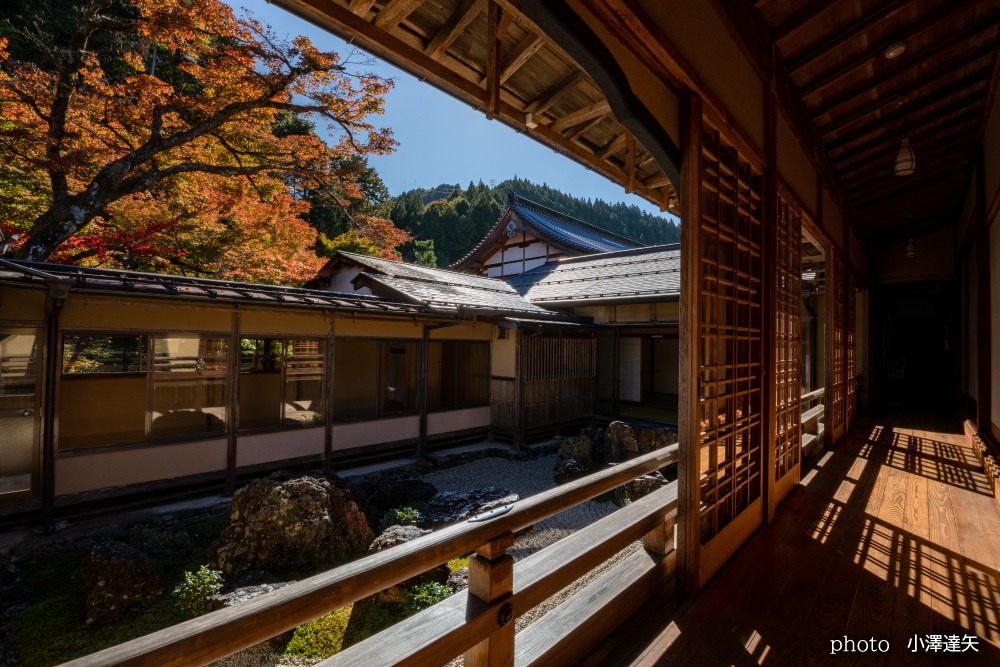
x=570 y=231
x=108 y=281
x=441 y=288
x=550 y=226
x=644 y=273
x=441 y=295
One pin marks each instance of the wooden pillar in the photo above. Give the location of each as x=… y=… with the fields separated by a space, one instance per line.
x=688 y=409
x=491 y=579
x=328 y=403
x=233 y=404
x=984 y=316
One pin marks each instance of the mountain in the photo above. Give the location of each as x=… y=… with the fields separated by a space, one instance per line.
x=456 y=218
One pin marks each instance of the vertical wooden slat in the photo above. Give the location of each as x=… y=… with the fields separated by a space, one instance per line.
x=772 y=355
x=835 y=394
x=688 y=394
x=233 y=404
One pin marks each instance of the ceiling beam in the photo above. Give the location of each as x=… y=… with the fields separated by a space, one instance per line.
x=586 y=127
x=553 y=94
x=875 y=52
x=878 y=191
x=946 y=94
x=394 y=12
x=598 y=108
x=855 y=29
x=796 y=21
x=862 y=154
x=883 y=168
x=522 y=53
x=456 y=24
x=612 y=146
x=942 y=72
x=361 y=7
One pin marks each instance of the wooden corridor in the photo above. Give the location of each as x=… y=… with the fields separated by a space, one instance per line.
x=893 y=534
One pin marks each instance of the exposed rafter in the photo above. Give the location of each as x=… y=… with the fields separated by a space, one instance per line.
x=394 y=12
x=461 y=19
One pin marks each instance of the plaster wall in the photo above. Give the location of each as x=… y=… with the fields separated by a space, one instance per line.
x=458 y=420
x=374 y=432
x=795 y=167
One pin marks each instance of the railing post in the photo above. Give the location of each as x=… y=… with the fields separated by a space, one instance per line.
x=491 y=579
x=660 y=540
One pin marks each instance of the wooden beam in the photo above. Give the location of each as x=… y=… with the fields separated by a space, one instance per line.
x=456 y=24
x=930 y=21
x=629 y=163
x=945 y=153
x=943 y=72
x=361 y=7
x=492 y=60
x=586 y=127
x=863 y=154
x=394 y=12
x=506 y=19
x=522 y=53
x=947 y=94
x=553 y=94
x=855 y=29
x=796 y=21
x=879 y=191
x=657 y=180
x=612 y=146
x=598 y=108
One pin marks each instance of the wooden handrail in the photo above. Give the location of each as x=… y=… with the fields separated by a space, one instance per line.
x=223 y=632
x=436 y=635
x=812 y=395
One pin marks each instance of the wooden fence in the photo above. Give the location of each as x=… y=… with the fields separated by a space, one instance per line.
x=478 y=622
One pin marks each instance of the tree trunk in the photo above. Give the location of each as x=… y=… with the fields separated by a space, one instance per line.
x=52 y=228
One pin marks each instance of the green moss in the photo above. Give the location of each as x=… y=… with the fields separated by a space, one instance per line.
x=456 y=564
x=208 y=529
x=328 y=635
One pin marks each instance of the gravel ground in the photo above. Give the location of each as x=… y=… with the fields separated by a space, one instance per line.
x=527 y=478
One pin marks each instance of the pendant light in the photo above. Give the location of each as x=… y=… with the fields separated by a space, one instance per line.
x=911 y=249
x=906 y=160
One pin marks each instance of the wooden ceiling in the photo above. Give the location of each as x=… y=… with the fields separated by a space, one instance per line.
x=862 y=103
x=491 y=56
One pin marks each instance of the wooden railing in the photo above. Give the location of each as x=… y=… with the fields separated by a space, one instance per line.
x=808 y=399
x=477 y=622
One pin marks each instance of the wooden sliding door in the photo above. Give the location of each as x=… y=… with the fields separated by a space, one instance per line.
x=786 y=283
x=836 y=385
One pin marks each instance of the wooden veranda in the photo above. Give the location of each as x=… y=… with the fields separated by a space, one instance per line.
x=894 y=535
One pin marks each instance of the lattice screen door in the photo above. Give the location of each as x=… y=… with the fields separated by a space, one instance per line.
x=836 y=393
x=787 y=285
x=729 y=344
x=850 y=350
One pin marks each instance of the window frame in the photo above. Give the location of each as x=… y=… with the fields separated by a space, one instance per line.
x=489 y=366
x=379 y=413
x=282 y=371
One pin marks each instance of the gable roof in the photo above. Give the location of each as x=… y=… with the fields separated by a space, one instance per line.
x=572 y=236
x=634 y=275
x=438 y=289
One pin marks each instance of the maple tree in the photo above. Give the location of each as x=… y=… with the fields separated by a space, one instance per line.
x=160 y=150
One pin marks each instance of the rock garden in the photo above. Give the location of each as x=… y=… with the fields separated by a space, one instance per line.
x=72 y=596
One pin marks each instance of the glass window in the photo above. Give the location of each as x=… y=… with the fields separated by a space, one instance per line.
x=355 y=379
x=189 y=385
x=398 y=381
x=85 y=354
x=261 y=361
x=303 y=402
x=457 y=374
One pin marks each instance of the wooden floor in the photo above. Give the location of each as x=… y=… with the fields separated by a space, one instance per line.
x=893 y=535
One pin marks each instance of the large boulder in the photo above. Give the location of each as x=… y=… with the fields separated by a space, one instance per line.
x=597 y=444
x=448 y=507
x=625 y=442
x=567 y=470
x=579 y=448
x=387 y=493
x=119 y=579
x=299 y=523
x=637 y=488
x=394 y=536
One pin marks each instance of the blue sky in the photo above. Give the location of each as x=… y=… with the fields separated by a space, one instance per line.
x=442 y=140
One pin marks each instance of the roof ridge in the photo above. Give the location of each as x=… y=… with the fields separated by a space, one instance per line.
x=516 y=199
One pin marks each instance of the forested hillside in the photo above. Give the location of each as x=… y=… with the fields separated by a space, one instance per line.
x=456 y=218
